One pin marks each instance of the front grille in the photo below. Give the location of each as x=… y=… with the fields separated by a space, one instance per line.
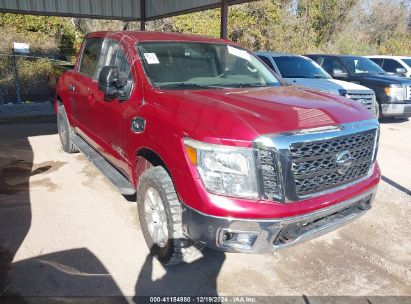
x=367 y=100
x=408 y=89
x=313 y=164
x=269 y=174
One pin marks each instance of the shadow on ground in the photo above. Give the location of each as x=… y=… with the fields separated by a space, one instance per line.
x=75 y=275
x=390 y=120
x=187 y=279
x=16 y=163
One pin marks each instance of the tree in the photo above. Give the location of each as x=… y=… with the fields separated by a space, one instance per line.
x=325 y=17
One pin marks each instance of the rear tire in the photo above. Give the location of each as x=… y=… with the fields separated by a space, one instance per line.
x=65 y=131
x=160 y=214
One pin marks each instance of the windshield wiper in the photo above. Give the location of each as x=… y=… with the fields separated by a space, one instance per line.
x=244 y=85
x=187 y=85
x=320 y=77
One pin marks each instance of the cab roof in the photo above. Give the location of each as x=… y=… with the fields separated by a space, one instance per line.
x=334 y=55
x=278 y=54
x=389 y=57
x=159 y=36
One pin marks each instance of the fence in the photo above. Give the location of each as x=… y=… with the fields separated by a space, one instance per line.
x=23 y=78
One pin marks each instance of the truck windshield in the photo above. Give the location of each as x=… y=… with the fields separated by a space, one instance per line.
x=299 y=67
x=407 y=61
x=191 y=65
x=361 y=65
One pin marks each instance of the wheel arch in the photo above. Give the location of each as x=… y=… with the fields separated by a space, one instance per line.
x=58 y=102
x=146 y=158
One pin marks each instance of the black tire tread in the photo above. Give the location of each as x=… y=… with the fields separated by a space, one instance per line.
x=182 y=248
x=66 y=143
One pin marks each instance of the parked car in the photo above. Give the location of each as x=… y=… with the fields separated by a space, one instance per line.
x=393 y=93
x=305 y=72
x=394 y=65
x=218 y=150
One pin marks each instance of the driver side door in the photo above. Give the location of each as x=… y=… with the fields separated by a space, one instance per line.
x=109 y=115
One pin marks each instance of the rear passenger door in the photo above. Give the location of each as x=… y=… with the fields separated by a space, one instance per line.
x=80 y=84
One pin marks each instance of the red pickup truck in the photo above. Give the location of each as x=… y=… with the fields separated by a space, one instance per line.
x=220 y=152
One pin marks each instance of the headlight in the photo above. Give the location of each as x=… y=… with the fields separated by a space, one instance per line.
x=396 y=92
x=224 y=170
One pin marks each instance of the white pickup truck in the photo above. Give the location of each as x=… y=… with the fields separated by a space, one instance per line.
x=305 y=72
x=394 y=65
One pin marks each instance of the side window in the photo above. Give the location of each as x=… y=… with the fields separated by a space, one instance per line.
x=90 y=56
x=338 y=68
x=266 y=61
x=317 y=59
x=114 y=55
x=327 y=65
x=333 y=66
x=390 y=65
x=378 y=61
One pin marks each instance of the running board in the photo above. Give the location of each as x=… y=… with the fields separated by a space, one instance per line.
x=113 y=175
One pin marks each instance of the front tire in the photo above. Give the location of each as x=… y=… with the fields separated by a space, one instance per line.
x=160 y=214
x=65 y=130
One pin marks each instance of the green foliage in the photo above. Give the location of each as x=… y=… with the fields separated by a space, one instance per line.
x=297 y=26
x=325 y=17
x=45 y=34
x=251 y=25
x=209 y=24
x=302 y=26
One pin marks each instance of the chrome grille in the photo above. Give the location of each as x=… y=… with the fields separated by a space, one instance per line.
x=408 y=89
x=300 y=164
x=366 y=99
x=271 y=182
x=313 y=164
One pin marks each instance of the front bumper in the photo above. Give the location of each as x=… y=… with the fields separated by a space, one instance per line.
x=264 y=236
x=396 y=109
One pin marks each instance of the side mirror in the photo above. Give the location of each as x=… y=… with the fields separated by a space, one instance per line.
x=110 y=82
x=401 y=71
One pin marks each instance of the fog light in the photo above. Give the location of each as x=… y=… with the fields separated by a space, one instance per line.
x=227 y=236
x=247 y=239
x=242 y=240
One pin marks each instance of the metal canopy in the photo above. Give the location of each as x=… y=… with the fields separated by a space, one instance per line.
x=111 y=9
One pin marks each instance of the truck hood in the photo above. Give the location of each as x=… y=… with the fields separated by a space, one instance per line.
x=238 y=116
x=332 y=86
x=384 y=79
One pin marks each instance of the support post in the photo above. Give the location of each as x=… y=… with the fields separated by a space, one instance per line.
x=224 y=19
x=142 y=15
x=16 y=79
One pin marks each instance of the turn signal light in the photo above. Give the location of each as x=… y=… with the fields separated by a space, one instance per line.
x=387 y=91
x=192 y=154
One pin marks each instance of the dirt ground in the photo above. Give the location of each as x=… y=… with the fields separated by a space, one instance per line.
x=65 y=231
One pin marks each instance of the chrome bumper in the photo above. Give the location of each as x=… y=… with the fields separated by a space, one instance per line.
x=268 y=235
x=396 y=109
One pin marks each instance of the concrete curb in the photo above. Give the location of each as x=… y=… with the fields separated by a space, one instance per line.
x=26 y=109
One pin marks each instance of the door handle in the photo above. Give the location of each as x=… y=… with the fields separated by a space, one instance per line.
x=71 y=88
